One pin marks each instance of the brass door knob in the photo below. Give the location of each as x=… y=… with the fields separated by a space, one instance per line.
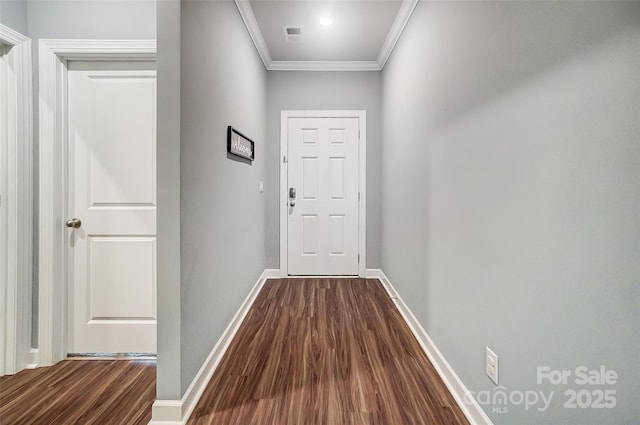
x=74 y=223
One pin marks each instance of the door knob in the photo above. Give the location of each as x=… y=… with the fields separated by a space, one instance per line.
x=292 y=203
x=74 y=223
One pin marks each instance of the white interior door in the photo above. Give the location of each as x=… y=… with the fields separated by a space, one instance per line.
x=323 y=215
x=112 y=191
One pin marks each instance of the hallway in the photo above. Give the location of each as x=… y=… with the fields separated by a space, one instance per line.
x=490 y=185
x=325 y=351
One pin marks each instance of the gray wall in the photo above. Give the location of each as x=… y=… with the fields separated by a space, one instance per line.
x=324 y=90
x=513 y=222
x=168 y=386
x=131 y=19
x=13 y=13
x=222 y=212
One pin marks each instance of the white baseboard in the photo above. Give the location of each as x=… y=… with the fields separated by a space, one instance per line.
x=177 y=412
x=271 y=274
x=461 y=394
x=167 y=412
x=32 y=359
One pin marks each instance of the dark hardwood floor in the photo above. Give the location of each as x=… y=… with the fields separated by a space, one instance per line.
x=325 y=351
x=100 y=392
x=310 y=352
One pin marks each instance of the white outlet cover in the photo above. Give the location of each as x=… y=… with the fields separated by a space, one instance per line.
x=491 y=365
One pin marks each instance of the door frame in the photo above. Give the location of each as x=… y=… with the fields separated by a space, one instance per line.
x=362 y=180
x=54 y=55
x=17 y=223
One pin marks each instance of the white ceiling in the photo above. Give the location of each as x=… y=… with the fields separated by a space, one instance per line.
x=361 y=37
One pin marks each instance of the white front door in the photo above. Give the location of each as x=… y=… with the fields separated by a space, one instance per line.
x=112 y=191
x=323 y=211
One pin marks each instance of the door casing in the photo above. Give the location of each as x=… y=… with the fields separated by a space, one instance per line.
x=16 y=226
x=53 y=256
x=362 y=180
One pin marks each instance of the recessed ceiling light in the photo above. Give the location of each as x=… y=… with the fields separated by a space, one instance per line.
x=326 y=20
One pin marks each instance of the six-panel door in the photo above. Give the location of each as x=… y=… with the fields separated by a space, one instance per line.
x=323 y=217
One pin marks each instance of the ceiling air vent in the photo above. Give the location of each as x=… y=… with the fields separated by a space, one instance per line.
x=293 y=34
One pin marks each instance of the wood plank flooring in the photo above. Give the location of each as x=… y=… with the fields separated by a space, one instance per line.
x=325 y=351
x=99 y=392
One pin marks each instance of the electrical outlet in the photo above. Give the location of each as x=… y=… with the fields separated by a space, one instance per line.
x=491 y=365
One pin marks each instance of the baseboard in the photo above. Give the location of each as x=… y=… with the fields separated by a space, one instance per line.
x=461 y=394
x=272 y=274
x=379 y=274
x=32 y=359
x=167 y=412
x=177 y=412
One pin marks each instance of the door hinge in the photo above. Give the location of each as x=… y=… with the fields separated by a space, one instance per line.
x=284 y=159
x=358 y=196
x=358 y=258
x=358 y=135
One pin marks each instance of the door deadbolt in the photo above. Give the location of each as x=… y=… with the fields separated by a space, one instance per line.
x=74 y=223
x=292 y=192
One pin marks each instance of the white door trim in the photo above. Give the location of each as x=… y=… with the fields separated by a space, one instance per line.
x=17 y=203
x=54 y=54
x=362 y=181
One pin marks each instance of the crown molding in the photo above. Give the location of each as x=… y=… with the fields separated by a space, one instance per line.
x=324 y=66
x=246 y=12
x=402 y=18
